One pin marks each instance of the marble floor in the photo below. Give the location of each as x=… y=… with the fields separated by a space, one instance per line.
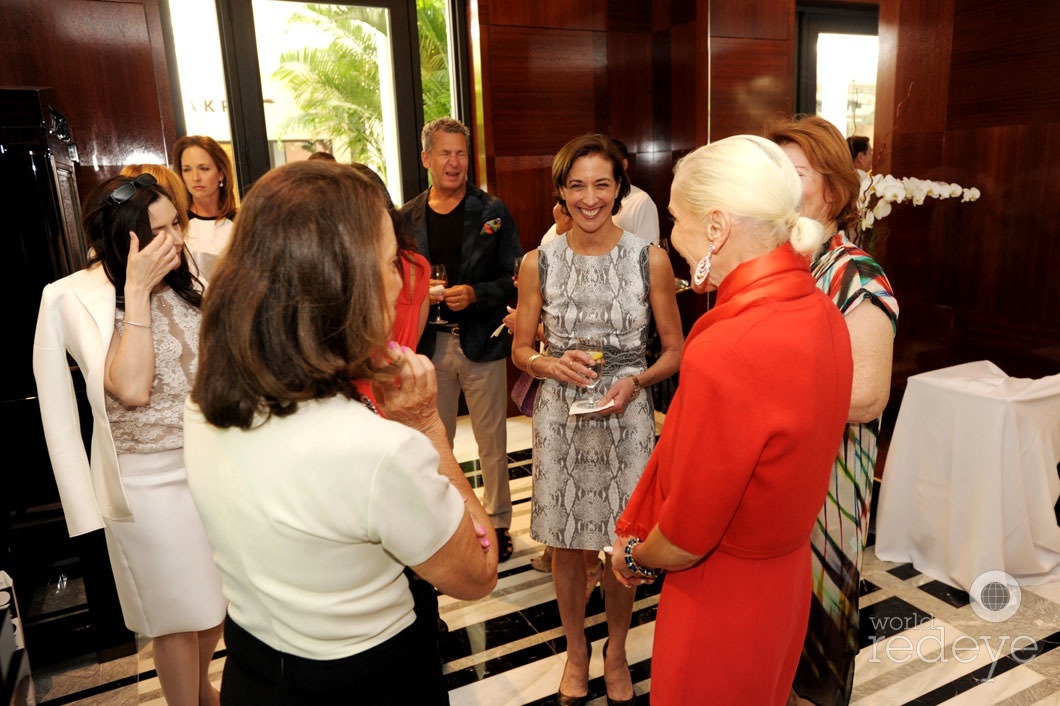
x=921 y=642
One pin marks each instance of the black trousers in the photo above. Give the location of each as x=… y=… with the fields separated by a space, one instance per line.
x=405 y=669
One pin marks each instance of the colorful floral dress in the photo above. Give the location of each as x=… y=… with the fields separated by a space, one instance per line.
x=850 y=277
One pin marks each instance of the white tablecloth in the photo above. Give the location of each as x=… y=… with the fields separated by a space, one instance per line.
x=970 y=477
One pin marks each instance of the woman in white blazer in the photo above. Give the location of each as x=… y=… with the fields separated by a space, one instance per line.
x=131 y=323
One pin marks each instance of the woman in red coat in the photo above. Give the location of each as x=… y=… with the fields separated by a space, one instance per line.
x=729 y=497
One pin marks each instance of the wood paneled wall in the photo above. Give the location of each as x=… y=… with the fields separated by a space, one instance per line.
x=968 y=92
x=665 y=77
x=551 y=71
x=106 y=62
x=978 y=103
x=752 y=65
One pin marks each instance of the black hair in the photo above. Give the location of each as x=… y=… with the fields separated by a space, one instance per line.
x=107 y=226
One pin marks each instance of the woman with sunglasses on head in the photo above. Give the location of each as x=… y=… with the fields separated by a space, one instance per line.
x=210 y=179
x=172 y=186
x=131 y=322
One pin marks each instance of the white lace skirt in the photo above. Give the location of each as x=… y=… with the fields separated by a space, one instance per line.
x=163 y=563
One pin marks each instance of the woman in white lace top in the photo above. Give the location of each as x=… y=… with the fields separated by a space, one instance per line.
x=131 y=322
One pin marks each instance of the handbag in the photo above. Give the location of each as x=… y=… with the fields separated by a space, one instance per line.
x=524 y=393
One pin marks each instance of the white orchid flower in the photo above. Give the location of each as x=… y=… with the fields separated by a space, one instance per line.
x=880 y=191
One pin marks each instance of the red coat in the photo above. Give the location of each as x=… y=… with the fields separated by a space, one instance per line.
x=739 y=474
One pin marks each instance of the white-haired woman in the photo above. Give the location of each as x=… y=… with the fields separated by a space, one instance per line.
x=728 y=499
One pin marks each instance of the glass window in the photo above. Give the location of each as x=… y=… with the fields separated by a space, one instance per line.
x=327 y=80
x=202 y=77
x=437 y=74
x=335 y=77
x=846 y=81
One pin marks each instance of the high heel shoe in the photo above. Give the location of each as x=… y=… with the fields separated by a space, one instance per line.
x=623 y=702
x=564 y=700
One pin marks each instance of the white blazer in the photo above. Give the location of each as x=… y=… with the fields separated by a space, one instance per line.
x=77 y=316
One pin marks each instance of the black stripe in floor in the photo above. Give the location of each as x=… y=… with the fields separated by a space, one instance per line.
x=110 y=686
x=521 y=569
x=639 y=672
x=96 y=690
x=510 y=628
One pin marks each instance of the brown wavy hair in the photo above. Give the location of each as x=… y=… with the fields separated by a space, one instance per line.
x=828 y=153
x=584 y=146
x=228 y=200
x=296 y=308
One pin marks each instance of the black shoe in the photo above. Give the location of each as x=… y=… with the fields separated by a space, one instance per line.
x=616 y=702
x=504 y=545
x=564 y=700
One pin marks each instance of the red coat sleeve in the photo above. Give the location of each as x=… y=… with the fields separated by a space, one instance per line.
x=712 y=449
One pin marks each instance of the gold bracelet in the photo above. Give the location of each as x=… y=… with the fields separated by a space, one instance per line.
x=530 y=366
x=133 y=323
x=636 y=387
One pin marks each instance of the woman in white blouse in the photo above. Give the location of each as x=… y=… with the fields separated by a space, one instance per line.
x=131 y=322
x=315 y=502
x=210 y=180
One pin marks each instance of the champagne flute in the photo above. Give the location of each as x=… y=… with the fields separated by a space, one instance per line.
x=593 y=346
x=438 y=281
x=515 y=272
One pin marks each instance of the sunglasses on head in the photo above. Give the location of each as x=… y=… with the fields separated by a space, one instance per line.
x=125 y=192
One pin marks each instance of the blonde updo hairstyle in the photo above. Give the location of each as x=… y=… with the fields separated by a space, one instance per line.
x=752 y=179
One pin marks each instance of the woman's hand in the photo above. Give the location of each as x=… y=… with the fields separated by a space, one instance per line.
x=509 y=320
x=410 y=397
x=147 y=267
x=618 y=566
x=621 y=392
x=573 y=367
x=480 y=532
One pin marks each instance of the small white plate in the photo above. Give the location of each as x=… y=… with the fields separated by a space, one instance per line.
x=586 y=407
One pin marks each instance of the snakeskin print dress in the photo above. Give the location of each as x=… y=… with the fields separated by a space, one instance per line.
x=586 y=466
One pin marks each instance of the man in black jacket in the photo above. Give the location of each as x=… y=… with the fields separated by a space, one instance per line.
x=471 y=232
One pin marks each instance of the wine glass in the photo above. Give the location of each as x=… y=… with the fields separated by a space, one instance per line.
x=593 y=346
x=515 y=272
x=438 y=281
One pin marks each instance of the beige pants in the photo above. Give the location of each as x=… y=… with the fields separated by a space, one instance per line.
x=485 y=387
